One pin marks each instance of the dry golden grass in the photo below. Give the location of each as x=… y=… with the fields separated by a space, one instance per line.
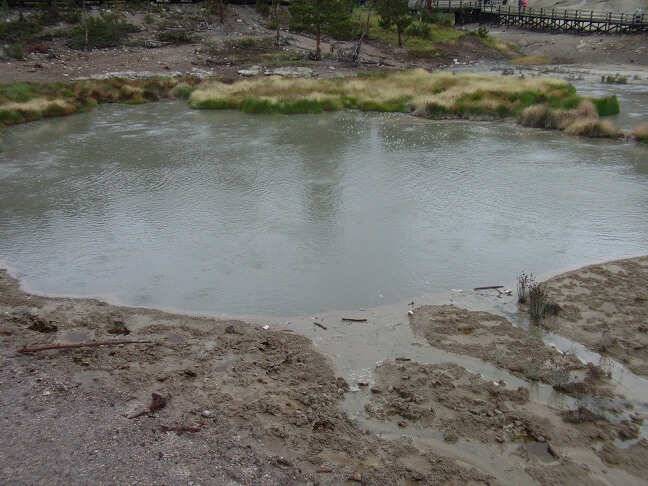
x=417 y=86
x=530 y=60
x=640 y=132
x=593 y=129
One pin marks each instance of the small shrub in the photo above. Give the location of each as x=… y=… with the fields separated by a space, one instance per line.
x=103 y=31
x=14 y=51
x=19 y=30
x=540 y=305
x=419 y=29
x=608 y=105
x=614 y=79
x=443 y=19
x=524 y=281
x=481 y=32
x=176 y=36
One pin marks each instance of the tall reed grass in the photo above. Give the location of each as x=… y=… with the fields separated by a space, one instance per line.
x=23 y=102
x=536 y=102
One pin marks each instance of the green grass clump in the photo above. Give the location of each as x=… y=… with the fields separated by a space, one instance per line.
x=608 y=105
x=182 y=91
x=397 y=105
x=18 y=92
x=432 y=110
x=283 y=107
x=215 y=104
x=9 y=117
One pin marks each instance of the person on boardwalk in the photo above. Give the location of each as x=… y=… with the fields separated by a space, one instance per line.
x=524 y=4
x=520 y=4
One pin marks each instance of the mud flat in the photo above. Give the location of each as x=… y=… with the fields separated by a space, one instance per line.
x=257 y=406
x=205 y=401
x=605 y=307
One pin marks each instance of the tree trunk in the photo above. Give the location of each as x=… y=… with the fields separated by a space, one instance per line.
x=318 y=49
x=400 y=40
x=356 y=51
x=275 y=4
x=221 y=12
x=85 y=23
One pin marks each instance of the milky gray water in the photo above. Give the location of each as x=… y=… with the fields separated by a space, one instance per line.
x=159 y=205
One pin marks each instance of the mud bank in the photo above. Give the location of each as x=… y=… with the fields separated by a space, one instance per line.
x=605 y=307
x=249 y=405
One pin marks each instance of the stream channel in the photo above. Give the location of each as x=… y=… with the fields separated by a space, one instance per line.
x=262 y=217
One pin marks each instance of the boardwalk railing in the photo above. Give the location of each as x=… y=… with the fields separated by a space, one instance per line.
x=542 y=19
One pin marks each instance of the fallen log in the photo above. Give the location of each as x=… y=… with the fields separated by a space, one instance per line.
x=353 y=319
x=492 y=287
x=92 y=344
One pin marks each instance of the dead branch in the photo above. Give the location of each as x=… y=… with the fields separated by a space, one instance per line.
x=492 y=287
x=353 y=319
x=92 y=344
x=179 y=428
x=320 y=325
x=284 y=462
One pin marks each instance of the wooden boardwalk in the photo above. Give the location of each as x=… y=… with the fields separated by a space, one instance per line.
x=554 y=20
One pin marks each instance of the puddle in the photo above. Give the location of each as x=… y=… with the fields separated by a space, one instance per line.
x=175 y=338
x=537 y=449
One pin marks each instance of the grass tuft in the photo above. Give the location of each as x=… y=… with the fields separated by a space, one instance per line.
x=608 y=105
x=593 y=129
x=640 y=132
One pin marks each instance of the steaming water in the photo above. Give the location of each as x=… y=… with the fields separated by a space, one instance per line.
x=222 y=212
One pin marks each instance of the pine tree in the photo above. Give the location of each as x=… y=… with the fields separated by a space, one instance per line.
x=394 y=12
x=321 y=16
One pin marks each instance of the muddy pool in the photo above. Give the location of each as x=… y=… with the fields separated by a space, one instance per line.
x=227 y=213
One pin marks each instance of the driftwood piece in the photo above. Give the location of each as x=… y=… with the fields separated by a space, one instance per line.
x=179 y=428
x=353 y=319
x=91 y=344
x=320 y=325
x=325 y=470
x=491 y=287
